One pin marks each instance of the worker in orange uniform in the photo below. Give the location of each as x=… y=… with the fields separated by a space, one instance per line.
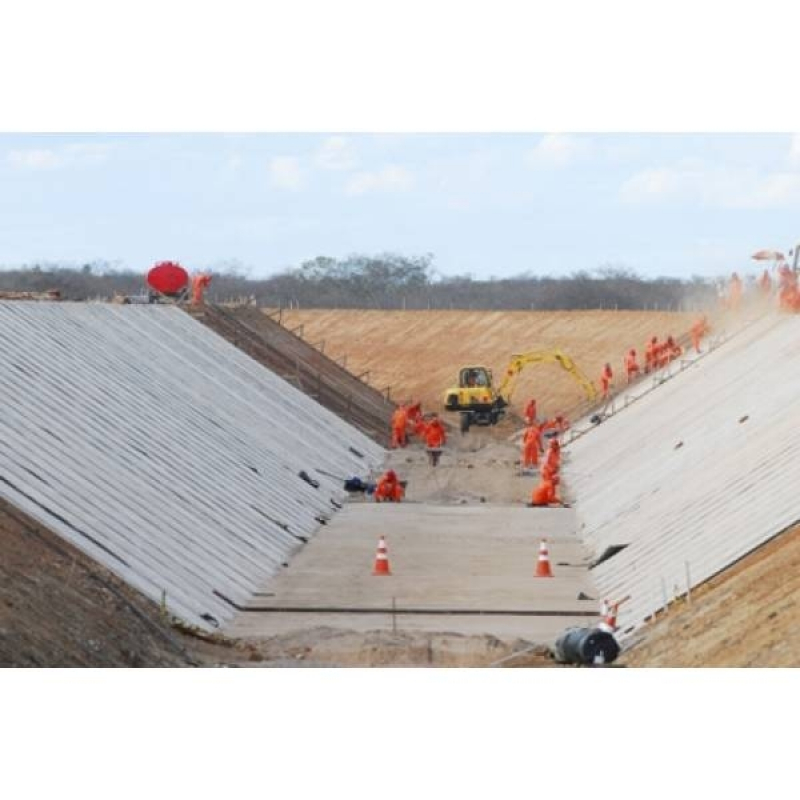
x=546 y=493
x=672 y=350
x=698 y=330
x=414 y=418
x=787 y=292
x=558 y=423
x=531 y=446
x=200 y=283
x=606 y=377
x=435 y=439
x=530 y=412
x=389 y=489
x=399 y=423
x=650 y=353
x=735 y=292
x=631 y=365
x=552 y=459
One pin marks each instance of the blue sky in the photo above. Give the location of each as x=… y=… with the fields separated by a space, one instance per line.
x=487 y=205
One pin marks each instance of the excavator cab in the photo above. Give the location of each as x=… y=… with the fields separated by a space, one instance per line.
x=474 y=397
x=471 y=377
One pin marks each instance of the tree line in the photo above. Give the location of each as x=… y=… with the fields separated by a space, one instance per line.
x=387 y=281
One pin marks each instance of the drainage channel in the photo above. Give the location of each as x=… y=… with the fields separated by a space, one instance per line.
x=496 y=612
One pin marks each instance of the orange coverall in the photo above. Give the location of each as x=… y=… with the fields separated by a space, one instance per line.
x=399 y=421
x=698 y=331
x=631 y=366
x=650 y=362
x=545 y=493
x=389 y=488
x=605 y=380
x=530 y=412
x=199 y=284
x=531 y=446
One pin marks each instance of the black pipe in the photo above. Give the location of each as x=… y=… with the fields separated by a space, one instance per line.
x=585 y=646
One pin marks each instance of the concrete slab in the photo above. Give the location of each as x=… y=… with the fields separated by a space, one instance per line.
x=462 y=569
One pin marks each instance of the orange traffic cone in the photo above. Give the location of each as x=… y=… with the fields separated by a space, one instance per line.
x=611 y=617
x=608 y=612
x=381 y=559
x=543 y=564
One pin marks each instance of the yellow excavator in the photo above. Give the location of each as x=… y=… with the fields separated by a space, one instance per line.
x=481 y=404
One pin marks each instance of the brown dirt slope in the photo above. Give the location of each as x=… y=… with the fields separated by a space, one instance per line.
x=418 y=353
x=745 y=617
x=60 y=609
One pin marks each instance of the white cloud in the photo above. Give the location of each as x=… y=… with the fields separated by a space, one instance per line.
x=557 y=150
x=391 y=178
x=285 y=172
x=336 y=153
x=699 y=184
x=72 y=155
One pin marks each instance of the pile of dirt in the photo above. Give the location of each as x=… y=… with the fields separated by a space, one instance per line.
x=58 y=608
x=328 y=647
x=745 y=617
x=418 y=353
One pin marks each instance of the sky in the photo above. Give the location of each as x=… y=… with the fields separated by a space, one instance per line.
x=487 y=205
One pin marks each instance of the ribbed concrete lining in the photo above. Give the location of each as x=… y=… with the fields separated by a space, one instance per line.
x=162 y=451
x=683 y=481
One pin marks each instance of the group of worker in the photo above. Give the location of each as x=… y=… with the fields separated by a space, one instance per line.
x=783 y=288
x=656 y=355
x=546 y=492
x=408 y=418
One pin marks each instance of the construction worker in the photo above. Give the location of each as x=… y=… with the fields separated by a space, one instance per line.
x=531 y=446
x=606 y=377
x=414 y=420
x=735 y=292
x=530 y=412
x=787 y=293
x=552 y=459
x=559 y=424
x=631 y=365
x=650 y=355
x=672 y=350
x=399 y=423
x=546 y=493
x=435 y=438
x=698 y=330
x=389 y=489
x=200 y=283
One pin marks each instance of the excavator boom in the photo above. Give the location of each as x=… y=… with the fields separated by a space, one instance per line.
x=521 y=360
